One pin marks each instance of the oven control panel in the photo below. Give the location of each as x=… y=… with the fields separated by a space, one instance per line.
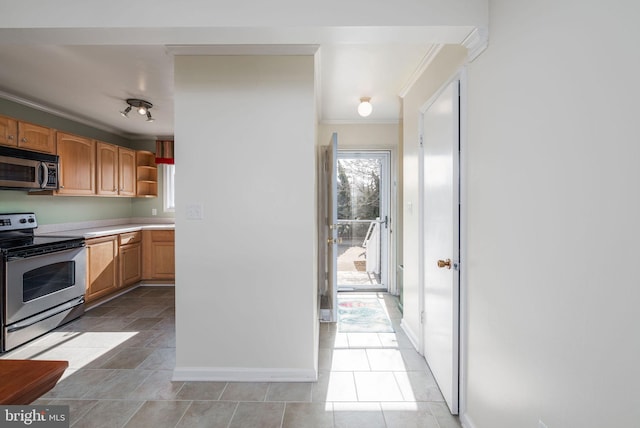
x=17 y=221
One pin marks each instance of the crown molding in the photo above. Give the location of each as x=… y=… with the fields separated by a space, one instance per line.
x=476 y=42
x=359 y=122
x=424 y=64
x=63 y=114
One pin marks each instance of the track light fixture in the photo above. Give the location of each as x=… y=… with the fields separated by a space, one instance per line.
x=141 y=106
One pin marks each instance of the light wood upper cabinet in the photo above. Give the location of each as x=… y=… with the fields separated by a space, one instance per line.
x=127 y=171
x=147 y=174
x=115 y=170
x=28 y=136
x=77 y=165
x=36 y=137
x=106 y=169
x=8 y=131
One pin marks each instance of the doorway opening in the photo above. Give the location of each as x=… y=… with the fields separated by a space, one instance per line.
x=362 y=202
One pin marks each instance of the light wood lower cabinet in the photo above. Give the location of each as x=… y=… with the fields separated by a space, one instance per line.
x=115 y=262
x=130 y=258
x=102 y=269
x=158 y=255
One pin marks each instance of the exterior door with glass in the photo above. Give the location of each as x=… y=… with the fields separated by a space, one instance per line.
x=362 y=203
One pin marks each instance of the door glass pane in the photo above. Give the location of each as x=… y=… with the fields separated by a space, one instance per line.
x=359 y=222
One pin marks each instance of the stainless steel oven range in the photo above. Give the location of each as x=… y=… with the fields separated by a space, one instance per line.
x=42 y=280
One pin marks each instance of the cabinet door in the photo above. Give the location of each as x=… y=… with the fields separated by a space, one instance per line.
x=8 y=131
x=107 y=169
x=102 y=271
x=127 y=171
x=77 y=165
x=36 y=137
x=130 y=264
x=159 y=255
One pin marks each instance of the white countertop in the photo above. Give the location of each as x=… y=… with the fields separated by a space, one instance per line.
x=122 y=228
x=105 y=230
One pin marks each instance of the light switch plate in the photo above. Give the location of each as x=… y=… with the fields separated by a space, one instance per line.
x=195 y=212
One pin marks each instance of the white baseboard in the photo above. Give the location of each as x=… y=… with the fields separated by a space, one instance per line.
x=466 y=422
x=241 y=374
x=413 y=338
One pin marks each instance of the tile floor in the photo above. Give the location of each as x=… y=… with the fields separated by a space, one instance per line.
x=121 y=355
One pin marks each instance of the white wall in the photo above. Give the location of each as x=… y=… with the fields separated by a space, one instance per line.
x=447 y=62
x=553 y=211
x=246 y=273
x=361 y=137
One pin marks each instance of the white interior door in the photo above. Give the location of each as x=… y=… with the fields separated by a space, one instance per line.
x=441 y=246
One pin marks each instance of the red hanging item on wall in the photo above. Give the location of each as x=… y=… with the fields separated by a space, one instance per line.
x=164 y=152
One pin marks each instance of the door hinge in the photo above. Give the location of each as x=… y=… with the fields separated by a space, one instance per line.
x=421 y=140
x=422 y=317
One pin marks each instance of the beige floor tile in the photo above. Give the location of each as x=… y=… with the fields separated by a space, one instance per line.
x=118 y=386
x=149 y=311
x=258 y=415
x=358 y=415
x=398 y=340
x=333 y=340
x=142 y=324
x=108 y=414
x=409 y=415
x=160 y=359
x=418 y=386
x=79 y=383
x=386 y=360
x=158 y=414
x=127 y=358
x=201 y=390
x=349 y=360
x=77 y=408
x=377 y=386
x=157 y=386
x=245 y=391
x=324 y=358
x=308 y=415
x=289 y=391
x=364 y=340
x=335 y=386
x=208 y=414
x=443 y=415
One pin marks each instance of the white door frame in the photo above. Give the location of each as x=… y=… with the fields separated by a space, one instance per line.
x=460 y=75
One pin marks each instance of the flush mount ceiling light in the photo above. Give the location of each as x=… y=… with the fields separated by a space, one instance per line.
x=141 y=106
x=365 y=108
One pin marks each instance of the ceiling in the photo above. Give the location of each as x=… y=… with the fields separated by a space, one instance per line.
x=89 y=82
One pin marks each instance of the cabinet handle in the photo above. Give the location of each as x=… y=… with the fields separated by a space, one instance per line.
x=10 y=137
x=24 y=139
x=61 y=186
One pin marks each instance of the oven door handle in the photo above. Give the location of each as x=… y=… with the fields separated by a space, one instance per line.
x=46 y=314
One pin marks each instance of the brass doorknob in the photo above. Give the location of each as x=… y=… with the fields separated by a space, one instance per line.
x=444 y=263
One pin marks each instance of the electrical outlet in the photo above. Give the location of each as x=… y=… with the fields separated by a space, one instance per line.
x=154 y=211
x=542 y=424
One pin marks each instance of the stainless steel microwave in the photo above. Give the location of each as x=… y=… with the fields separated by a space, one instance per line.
x=24 y=169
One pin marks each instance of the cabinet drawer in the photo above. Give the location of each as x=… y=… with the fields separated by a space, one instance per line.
x=130 y=237
x=162 y=235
